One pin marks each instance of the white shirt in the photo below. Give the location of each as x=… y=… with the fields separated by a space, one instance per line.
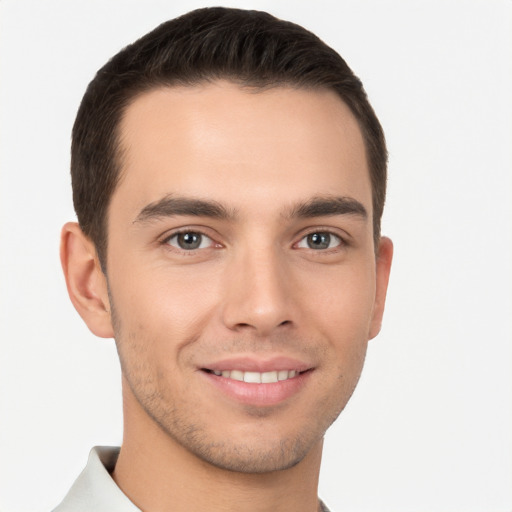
x=95 y=490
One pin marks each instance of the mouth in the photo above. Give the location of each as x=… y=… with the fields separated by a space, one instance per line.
x=250 y=377
x=258 y=383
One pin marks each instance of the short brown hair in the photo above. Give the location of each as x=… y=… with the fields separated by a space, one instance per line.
x=250 y=48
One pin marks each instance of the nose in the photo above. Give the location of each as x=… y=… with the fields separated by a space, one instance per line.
x=258 y=294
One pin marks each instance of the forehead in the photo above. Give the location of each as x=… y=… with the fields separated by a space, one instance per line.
x=235 y=145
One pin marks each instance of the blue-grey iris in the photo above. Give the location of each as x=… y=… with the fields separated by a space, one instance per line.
x=319 y=240
x=189 y=240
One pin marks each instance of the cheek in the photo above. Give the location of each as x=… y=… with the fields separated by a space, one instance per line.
x=342 y=314
x=166 y=309
x=344 y=302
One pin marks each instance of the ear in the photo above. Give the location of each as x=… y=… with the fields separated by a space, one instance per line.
x=86 y=282
x=383 y=268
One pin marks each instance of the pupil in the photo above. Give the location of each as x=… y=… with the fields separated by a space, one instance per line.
x=319 y=240
x=189 y=240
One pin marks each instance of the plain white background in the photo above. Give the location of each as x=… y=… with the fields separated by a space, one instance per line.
x=430 y=425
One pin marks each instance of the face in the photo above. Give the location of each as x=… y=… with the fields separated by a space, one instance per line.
x=241 y=268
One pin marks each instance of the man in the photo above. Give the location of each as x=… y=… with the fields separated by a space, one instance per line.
x=229 y=179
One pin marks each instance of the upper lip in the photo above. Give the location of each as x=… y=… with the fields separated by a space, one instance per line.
x=258 y=364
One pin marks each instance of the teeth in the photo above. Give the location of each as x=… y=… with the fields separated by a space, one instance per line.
x=268 y=377
x=282 y=374
x=257 y=377
x=237 y=375
x=252 y=377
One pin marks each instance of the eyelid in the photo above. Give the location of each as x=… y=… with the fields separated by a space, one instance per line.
x=343 y=237
x=166 y=237
x=205 y=239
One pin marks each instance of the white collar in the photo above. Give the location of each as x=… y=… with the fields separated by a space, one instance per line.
x=94 y=489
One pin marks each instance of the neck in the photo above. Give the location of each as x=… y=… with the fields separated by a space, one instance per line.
x=158 y=475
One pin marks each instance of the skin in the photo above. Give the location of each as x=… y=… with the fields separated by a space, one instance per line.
x=257 y=287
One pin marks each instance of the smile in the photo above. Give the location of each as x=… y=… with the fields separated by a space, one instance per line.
x=258 y=383
x=256 y=377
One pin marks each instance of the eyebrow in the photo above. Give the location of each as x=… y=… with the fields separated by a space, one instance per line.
x=328 y=206
x=170 y=206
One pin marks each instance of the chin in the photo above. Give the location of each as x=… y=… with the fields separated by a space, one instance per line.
x=264 y=449
x=242 y=458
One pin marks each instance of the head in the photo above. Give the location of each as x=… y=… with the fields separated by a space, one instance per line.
x=249 y=48
x=229 y=178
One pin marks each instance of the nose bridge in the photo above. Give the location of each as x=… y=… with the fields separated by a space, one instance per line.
x=257 y=295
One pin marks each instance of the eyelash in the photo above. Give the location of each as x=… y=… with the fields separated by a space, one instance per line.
x=176 y=234
x=341 y=241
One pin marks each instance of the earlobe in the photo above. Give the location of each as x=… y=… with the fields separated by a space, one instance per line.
x=85 y=281
x=383 y=269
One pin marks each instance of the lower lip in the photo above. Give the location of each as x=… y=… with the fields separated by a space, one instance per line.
x=260 y=395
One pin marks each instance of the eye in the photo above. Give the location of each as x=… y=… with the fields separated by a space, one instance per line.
x=189 y=241
x=320 y=240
